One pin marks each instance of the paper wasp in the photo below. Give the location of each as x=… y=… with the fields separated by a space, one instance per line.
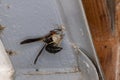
x=52 y=41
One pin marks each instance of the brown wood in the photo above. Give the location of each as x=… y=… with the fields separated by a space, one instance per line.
x=118 y=29
x=106 y=42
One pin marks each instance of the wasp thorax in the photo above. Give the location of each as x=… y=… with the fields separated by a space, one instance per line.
x=56 y=38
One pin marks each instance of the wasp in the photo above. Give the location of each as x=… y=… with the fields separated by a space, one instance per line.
x=52 y=41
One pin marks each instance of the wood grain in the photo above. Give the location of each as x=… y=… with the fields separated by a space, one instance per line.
x=106 y=42
x=118 y=29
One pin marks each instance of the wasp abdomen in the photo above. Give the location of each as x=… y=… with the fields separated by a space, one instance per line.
x=51 y=48
x=30 y=40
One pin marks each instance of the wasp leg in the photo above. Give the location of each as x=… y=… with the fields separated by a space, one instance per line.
x=39 y=54
x=58 y=29
x=31 y=40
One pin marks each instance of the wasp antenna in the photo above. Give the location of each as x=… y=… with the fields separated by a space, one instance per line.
x=39 y=54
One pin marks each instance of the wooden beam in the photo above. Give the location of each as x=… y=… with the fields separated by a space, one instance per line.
x=106 y=43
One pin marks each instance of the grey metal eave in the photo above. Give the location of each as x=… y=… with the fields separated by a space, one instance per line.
x=26 y=19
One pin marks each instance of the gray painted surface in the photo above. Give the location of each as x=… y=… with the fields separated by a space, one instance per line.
x=34 y=18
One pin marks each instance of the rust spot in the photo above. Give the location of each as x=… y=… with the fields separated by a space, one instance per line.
x=10 y=52
x=2 y=27
x=48 y=73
